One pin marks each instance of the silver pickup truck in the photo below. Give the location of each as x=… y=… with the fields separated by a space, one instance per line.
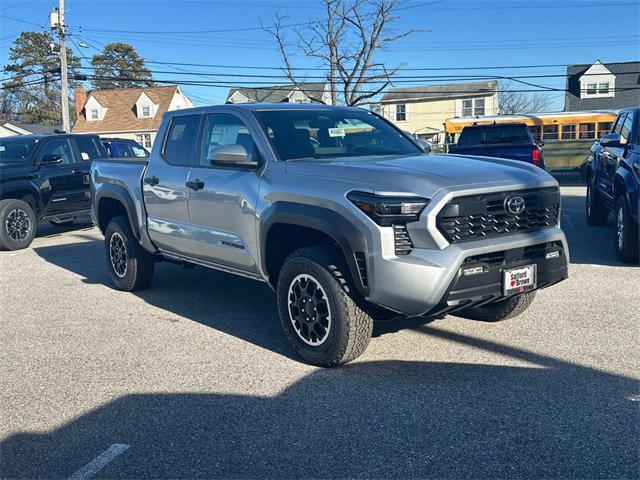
x=342 y=214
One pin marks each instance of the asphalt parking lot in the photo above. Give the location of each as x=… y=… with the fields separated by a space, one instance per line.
x=193 y=378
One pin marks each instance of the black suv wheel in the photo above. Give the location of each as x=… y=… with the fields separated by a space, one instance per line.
x=318 y=309
x=17 y=224
x=130 y=266
x=595 y=209
x=626 y=232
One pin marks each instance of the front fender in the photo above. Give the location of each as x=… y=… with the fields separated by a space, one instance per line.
x=627 y=186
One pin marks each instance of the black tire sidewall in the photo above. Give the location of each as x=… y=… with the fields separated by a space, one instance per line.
x=336 y=342
x=130 y=281
x=625 y=253
x=6 y=242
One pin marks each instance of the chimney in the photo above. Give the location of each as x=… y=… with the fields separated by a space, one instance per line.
x=81 y=98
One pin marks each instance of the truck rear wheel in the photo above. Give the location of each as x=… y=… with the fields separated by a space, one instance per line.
x=130 y=266
x=17 y=224
x=317 y=307
x=500 y=310
x=597 y=213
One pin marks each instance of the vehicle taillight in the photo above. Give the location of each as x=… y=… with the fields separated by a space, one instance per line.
x=535 y=157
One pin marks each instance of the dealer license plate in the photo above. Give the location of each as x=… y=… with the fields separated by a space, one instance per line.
x=517 y=280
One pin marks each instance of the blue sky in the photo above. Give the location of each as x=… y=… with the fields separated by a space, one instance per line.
x=457 y=33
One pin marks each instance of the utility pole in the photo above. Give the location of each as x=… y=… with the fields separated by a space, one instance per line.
x=57 y=23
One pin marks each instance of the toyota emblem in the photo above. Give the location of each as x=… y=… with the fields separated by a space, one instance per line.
x=514 y=205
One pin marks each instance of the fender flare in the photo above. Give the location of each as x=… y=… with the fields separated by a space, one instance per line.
x=119 y=193
x=625 y=177
x=342 y=231
x=25 y=189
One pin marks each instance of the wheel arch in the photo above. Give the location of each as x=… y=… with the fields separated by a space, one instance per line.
x=28 y=194
x=111 y=201
x=287 y=227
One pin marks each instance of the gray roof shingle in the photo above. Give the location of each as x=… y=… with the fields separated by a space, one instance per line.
x=278 y=93
x=436 y=92
x=627 y=77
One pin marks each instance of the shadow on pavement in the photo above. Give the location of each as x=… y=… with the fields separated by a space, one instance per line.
x=386 y=419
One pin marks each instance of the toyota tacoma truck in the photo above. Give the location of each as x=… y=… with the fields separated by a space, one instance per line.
x=342 y=214
x=43 y=177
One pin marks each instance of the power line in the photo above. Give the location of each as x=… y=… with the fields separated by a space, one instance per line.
x=180 y=32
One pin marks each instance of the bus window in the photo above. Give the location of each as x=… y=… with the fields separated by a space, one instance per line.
x=550 y=132
x=587 y=131
x=604 y=128
x=535 y=132
x=568 y=132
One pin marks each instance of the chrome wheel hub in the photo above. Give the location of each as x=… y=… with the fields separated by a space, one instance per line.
x=118 y=255
x=18 y=225
x=620 y=227
x=309 y=310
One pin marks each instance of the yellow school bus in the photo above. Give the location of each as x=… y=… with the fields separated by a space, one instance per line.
x=560 y=126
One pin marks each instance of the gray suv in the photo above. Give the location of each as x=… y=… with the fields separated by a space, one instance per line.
x=341 y=213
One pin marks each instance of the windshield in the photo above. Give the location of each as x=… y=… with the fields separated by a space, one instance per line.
x=335 y=133
x=494 y=135
x=16 y=149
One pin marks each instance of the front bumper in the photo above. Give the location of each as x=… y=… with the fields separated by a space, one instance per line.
x=429 y=281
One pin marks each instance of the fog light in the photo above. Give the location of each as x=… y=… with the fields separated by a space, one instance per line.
x=472 y=271
x=555 y=254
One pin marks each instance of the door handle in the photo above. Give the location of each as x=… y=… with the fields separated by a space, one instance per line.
x=195 y=185
x=152 y=180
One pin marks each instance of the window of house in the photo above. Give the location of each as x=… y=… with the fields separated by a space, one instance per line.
x=478 y=107
x=550 y=132
x=180 y=145
x=94 y=114
x=467 y=108
x=587 y=131
x=603 y=88
x=604 y=128
x=146 y=111
x=568 y=132
x=144 y=139
x=401 y=112
x=592 y=89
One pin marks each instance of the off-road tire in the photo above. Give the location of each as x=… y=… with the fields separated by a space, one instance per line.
x=350 y=328
x=10 y=207
x=139 y=264
x=501 y=310
x=595 y=209
x=63 y=223
x=628 y=251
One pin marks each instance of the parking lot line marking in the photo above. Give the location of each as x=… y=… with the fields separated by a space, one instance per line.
x=98 y=463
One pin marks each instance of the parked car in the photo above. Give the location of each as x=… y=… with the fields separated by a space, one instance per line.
x=613 y=181
x=43 y=177
x=353 y=226
x=124 y=148
x=501 y=140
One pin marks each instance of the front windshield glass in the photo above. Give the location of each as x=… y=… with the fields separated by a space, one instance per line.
x=16 y=149
x=312 y=133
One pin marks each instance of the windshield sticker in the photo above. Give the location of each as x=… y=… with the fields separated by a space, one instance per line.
x=2 y=148
x=336 y=132
x=85 y=155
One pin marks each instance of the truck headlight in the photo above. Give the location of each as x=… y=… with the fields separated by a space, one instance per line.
x=386 y=211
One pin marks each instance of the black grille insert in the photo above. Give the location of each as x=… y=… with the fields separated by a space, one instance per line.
x=482 y=216
x=402 y=240
x=361 y=262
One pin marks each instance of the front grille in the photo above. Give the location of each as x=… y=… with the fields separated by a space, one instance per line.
x=484 y=216
x=402 y=240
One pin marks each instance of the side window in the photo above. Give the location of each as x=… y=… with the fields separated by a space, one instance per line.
x=180 y=145
x=617 y=128
x=223 y=129
x=627 y=127
x=58 y=147
x=88 y=148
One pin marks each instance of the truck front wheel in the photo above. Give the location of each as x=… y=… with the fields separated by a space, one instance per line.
x=130 y=266
x=317 y=307
x=500 y=310
x=17 y=224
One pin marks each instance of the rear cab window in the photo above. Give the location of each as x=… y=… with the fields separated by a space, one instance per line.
x=494 y=135
x=180 y=143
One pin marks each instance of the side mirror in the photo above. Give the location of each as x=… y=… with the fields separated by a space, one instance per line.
x=51 y=159
x=613 y=140
x=232 y=156
x=426 y=146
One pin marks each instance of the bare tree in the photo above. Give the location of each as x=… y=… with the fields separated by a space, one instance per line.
x=345 y=42
x=511 y=101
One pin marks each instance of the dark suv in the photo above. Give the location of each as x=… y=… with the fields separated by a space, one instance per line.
x=613 y=181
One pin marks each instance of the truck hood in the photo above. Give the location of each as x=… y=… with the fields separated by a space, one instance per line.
x=421 y=174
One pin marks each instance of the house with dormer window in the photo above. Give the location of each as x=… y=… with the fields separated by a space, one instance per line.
x=602 y=86
x=133 y=113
